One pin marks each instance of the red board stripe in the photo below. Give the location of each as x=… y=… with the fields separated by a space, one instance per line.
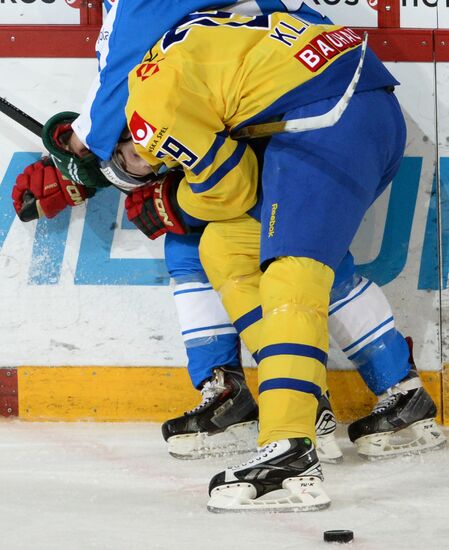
x=390 y=42
x=9 y=401
x=84 y=16
x=95 y=13
x=402 y=44
x=389 y=14
x=442 y=45
x=91 y=13
x=48 y=40
x=77 y=41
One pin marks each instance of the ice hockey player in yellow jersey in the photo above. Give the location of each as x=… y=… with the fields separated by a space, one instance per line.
x=206 y=79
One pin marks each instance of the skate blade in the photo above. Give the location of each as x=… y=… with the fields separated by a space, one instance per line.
x=420 y=437
x=298 y=494
x=328 y=450
x=239 y=438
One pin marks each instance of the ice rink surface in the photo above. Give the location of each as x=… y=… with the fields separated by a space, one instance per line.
x=77 y=486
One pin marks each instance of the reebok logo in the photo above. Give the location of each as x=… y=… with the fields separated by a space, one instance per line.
x=274 y=208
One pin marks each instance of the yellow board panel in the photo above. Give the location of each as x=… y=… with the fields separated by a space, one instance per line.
x=351 y=399
x=159 y=393
x=446 y=395
x=432 y=381
x=103 y=393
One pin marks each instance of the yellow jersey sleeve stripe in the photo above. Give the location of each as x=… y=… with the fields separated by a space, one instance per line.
x=221 y=171
x=209 y=157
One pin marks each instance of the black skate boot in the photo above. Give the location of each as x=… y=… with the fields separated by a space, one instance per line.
x=284 y=476
x=326 y=444
x=402 y=422
x=225 y=422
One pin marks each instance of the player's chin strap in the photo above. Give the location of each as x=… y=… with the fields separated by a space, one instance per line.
x=310 y=123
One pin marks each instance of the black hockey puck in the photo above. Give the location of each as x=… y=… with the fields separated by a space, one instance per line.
x=340 y=535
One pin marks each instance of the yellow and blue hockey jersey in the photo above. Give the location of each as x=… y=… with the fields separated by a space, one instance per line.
x=217 y=72
x=129 y=30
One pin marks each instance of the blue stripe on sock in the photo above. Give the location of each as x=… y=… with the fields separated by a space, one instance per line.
x=301 y=350
x=290 y=384
x=190 y=331
x=343 y=304
x=368 y=334
x=186 y=291
x=248 y=319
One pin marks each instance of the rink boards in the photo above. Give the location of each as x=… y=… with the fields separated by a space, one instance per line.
x=88 y=328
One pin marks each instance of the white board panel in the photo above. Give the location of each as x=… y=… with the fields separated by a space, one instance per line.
x=38 y=12
x=348 y=12
x=87 y=289
x=443 y=150
x=443 y=14
x=419 y=14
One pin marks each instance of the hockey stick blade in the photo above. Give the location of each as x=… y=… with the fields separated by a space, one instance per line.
x=310 y=123
x=20 y=117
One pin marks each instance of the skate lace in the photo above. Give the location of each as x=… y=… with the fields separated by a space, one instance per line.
x=263 y=452
x=391 y=396
x=387 y=402
x=209 y=391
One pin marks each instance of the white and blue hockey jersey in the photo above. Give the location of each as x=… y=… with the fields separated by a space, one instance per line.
x=130 y=29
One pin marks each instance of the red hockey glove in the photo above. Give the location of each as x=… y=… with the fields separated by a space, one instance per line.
x=154 y=208
x=41 y=190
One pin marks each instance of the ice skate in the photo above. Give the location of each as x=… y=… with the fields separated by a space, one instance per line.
x=326 y=444
x=284 y=476
x=402 y=422
x=194 y=435
x=225 y=422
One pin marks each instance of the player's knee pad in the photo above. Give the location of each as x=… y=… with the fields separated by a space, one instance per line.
x=229 y=253
x=296 y=283
x=232 y=263
x=225 y=255
x=295 y=299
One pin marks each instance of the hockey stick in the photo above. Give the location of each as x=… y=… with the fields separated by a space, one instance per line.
x=310 y=123
x=20 y=117
x=30 y=208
